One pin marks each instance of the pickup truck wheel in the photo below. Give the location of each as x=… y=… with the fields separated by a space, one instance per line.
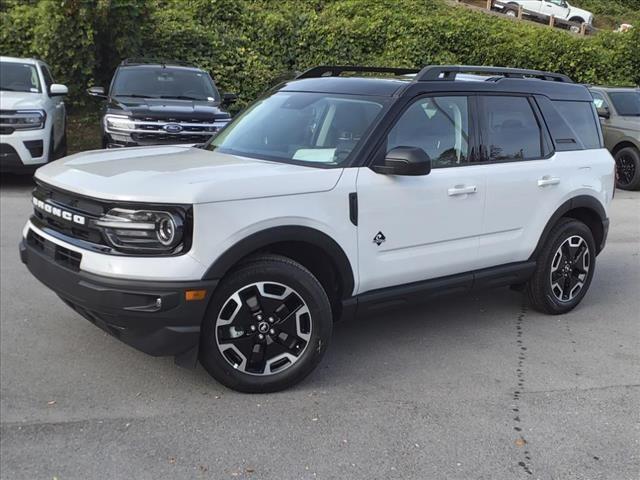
x=564 y=269
x=267 y=326
x=511 y=12
x=628 y=169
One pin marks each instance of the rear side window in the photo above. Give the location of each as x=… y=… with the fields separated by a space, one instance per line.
x=581 y=118
x=510 y=129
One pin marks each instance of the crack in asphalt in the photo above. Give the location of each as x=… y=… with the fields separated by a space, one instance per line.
x=521 y=442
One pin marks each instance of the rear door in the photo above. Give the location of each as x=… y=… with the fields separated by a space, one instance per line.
x=422 y=227
x=525 y=182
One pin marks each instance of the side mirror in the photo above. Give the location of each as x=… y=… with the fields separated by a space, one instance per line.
x=97 y=92
x=603 y=112
x=229 y=98
x=411 y=161
x=57 y=90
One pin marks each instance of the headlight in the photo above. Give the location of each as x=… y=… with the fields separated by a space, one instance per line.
x=143 y=231
x=119 y=123
x=24 y=120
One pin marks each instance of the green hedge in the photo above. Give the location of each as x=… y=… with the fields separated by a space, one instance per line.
x=248 y=45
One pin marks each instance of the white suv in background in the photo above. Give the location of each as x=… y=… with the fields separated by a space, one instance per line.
x=558 y=8
x=32 y=115
x=329 y=196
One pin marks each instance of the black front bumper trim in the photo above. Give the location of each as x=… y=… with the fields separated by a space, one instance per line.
x=153 y=317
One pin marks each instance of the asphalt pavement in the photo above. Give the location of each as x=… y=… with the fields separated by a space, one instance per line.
x=479 y=387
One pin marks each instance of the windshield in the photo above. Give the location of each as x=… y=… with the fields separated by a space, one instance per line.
x=163 y=82
x=626 y=104
x=19 y=77
x=300 y=127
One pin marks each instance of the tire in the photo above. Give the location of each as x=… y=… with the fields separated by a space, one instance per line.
x=628 y=169
x=511 y=12
x=267 y=326
x=568 y=254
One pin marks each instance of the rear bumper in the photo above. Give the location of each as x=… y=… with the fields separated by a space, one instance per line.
x=153 y=317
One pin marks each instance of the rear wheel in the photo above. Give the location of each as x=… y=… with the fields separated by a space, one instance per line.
x=628 y=169
x=267 y=327
x=564 y=269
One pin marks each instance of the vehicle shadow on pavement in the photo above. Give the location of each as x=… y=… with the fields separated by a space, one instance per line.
x=12 y=181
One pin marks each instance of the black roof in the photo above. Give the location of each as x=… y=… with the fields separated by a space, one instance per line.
x=157 y=62
x=449 y=78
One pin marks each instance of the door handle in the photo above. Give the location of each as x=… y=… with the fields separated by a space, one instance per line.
x=462 y=190
x=548 y=180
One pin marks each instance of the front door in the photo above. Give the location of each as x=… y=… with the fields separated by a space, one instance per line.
x=417 y=228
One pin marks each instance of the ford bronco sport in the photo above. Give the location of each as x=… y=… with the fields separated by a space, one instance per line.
x=332 y=195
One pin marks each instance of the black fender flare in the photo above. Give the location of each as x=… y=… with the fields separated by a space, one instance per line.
x=581 y=201
x=288 y=233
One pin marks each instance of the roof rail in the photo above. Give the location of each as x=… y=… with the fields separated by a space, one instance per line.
x=154 y=61
x=449 y=72
x=337 y=70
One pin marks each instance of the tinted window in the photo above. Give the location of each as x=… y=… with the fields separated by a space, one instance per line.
x=302 y=127
x=510 y=130
x=581 y=118
x=163 y=82
x=438 y=125
x=46 y=74
x=627 y=103
x=19 y=77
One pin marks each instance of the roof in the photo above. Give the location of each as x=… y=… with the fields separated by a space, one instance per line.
x=31 y=61
x=396 y=86
x=614 y=89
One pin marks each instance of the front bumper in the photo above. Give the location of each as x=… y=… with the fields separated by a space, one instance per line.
x=24 y=150
x=153 y=317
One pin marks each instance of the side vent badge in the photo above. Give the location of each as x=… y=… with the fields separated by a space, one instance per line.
x=379 y=239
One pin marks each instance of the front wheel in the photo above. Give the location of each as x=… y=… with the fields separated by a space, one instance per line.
x=267 y=326
x=628 y=169
x=564 y=269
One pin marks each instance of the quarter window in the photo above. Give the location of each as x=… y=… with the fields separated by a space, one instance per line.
x=48 y=80
x=438 y=125
x=580 y=116
x=510 y=130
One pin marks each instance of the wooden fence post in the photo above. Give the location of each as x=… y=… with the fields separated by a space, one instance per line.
x=489 y=4
x=520 y=8
x=552 y=21
x=583 y=29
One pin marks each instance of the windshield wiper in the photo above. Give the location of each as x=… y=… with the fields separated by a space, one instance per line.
x=181 y=97
x=134 y=95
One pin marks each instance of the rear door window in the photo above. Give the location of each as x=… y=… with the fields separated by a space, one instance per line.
x=510 y=129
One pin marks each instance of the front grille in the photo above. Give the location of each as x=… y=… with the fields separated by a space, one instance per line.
x=174 y=130
x=87 y=208
x=61 y=255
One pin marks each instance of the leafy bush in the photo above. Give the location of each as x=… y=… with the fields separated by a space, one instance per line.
x=248 y=45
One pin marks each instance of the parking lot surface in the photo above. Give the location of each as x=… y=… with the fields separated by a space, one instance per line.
x=479 y=387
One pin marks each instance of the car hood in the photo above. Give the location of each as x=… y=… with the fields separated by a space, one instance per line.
x=175 y=174
x=164 y=109
x=20 y=100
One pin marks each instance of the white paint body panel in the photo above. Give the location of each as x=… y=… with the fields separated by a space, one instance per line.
x=178 y=174
x=429 y=232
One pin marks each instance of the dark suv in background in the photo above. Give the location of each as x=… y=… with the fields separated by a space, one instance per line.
x=157 y=102
x=619 y=112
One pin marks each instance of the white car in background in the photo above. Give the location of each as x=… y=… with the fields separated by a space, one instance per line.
x=32 y=115
x=558 y=8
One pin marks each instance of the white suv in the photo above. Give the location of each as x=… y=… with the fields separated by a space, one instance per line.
x=328 y=197
x=32 y=115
